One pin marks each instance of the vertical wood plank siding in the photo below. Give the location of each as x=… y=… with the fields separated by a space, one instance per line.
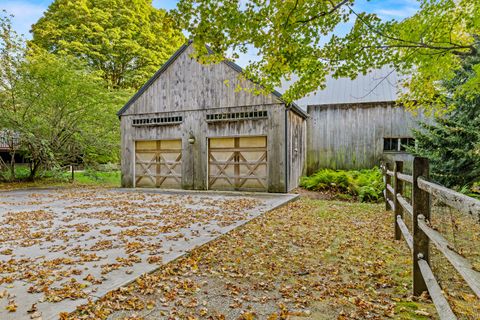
x=195 y=156
x=189 y=85
x=297 y=148
x=350 y=136
x=188 y=90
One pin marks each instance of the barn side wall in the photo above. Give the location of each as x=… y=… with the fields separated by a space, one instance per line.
x=195 y=156
x=297 y=148
x=351 y=136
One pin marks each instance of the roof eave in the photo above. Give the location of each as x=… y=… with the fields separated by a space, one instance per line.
x=232 y=64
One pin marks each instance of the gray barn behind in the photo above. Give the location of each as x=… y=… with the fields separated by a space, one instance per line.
x=354 y=124
x=196 y=126
x=353 y=136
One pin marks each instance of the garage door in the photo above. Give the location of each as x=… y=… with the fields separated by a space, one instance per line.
x=237 y=163
x=158 y=163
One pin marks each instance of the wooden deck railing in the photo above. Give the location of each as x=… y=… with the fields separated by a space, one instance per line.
x=418 y=210
x=8 y=140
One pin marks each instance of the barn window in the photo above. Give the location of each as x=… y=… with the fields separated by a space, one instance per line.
x=157 y=121
x=397 y=144
x=237 y=116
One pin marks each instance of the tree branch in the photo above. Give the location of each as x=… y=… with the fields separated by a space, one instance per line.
x=323 y=14
x=454 y=48
x=290 y=13
x=425 y=46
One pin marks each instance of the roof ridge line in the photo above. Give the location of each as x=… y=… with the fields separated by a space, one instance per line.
x=228 y=62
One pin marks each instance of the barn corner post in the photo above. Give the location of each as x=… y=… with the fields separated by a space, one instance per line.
x=421 y=210
x=397 y=189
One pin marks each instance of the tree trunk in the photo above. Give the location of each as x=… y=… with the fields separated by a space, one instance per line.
x=12 y=165
x=33 y=170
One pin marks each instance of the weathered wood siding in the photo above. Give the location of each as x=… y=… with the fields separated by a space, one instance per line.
x=191 y=90
x=297 y=145
x=195 y=156
x=351 y=136
x=189 y=85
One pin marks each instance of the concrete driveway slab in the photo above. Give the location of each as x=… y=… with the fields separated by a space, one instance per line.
x=59 y=248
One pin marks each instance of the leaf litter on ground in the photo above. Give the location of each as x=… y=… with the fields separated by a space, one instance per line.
x=310 y=259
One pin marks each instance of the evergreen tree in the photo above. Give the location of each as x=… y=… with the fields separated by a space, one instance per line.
x=452 y=142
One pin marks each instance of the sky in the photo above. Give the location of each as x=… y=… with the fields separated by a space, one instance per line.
x=27 y=12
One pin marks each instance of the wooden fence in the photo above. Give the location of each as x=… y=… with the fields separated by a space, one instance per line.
x=418 y=209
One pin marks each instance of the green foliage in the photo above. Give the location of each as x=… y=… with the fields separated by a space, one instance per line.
x=435 y=41
x=107 y=178
x=327 y=180
x=366 y=185
x=126 y=40
x=298 y=38
x=20 y=173
x=452 y=142
x=57 y=175
x=60 y=108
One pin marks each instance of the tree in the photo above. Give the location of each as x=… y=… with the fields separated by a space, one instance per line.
x=127 y=40
x=431 y=46
x=452 y=142
x=11 y=57
x=64 y=113
x=298 y=37
x=60 y=109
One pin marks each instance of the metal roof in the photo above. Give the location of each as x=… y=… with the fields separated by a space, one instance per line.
x=231 y=64
x=380 y=85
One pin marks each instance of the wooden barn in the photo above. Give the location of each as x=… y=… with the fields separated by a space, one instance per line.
x=354 y=124
x=195 y=126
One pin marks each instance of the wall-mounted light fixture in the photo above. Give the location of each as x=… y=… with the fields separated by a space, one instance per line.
x=191 y=138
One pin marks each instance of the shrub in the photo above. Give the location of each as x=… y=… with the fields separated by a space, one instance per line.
x=366 y=185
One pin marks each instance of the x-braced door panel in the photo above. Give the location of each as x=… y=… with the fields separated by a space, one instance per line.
x=238 y=163
x=158 y=163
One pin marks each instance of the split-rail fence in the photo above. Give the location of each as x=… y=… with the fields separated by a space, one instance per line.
x=418 y=210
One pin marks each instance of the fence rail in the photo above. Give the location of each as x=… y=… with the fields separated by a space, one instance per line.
x=422 y=232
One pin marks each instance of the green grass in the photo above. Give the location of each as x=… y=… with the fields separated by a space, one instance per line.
x=63 y=178
x=365 y=185
x=111 y=178
x=408 y=309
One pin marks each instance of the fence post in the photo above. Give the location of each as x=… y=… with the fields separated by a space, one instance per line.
x=398 y=189
x=421 y=206
x=387 y=182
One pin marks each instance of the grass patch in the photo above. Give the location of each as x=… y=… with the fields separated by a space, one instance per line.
x=111 y=178
x=53 y=178
x=409 y=310
x=364 y=185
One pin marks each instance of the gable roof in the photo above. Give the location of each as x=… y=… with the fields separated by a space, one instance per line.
x=165 y=66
